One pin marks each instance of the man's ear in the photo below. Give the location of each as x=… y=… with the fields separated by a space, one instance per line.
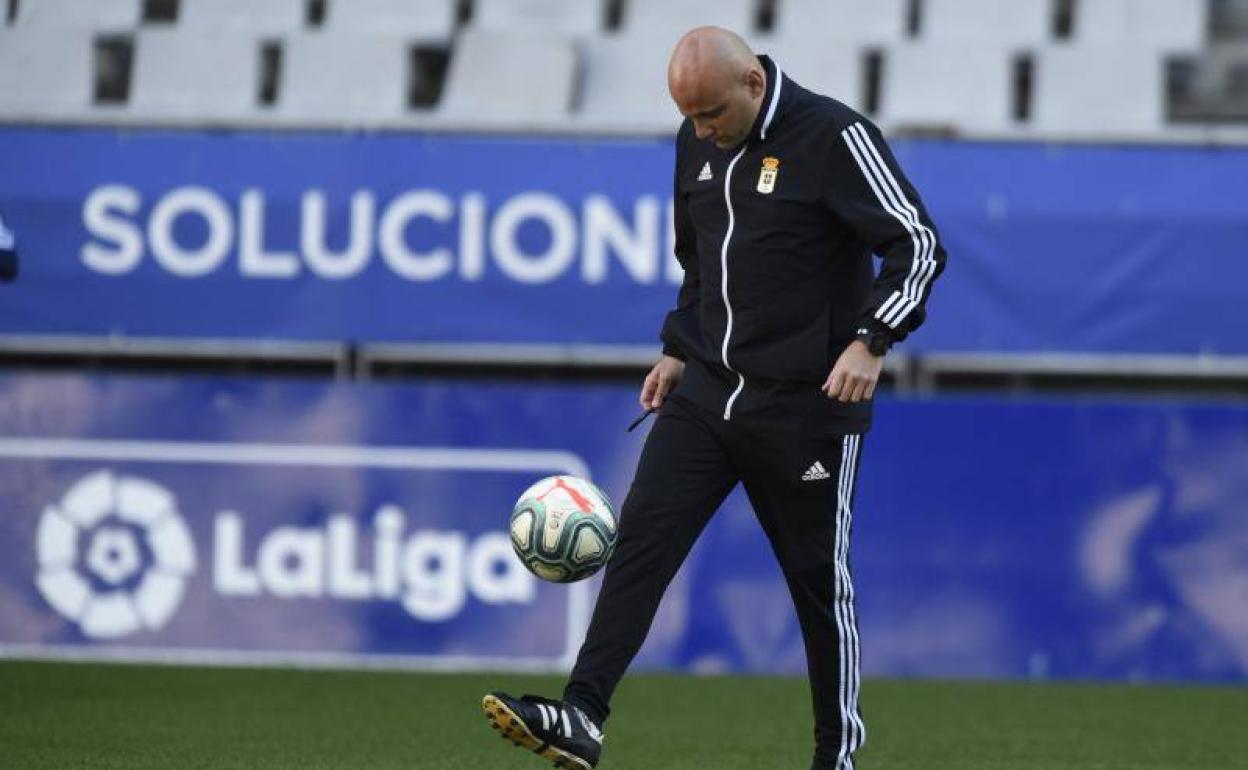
x=756 y=82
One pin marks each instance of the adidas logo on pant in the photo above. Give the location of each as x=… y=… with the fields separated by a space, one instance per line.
x=816 y=472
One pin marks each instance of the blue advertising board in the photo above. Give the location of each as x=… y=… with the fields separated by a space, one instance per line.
x=259 y=520
x=418 y=238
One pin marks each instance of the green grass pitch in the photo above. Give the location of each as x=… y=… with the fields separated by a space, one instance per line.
x=139 y=717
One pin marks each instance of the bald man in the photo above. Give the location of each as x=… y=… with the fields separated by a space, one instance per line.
x=770 y=362
x=8 y=254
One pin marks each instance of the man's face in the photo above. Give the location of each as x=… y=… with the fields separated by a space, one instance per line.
x=724 y=111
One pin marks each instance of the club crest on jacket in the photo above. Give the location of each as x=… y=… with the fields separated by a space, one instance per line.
x=767 y=176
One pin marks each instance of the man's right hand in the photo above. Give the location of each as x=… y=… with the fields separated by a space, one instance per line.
x=660 y=381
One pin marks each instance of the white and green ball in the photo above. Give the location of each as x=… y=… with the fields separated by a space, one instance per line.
x=563 y=529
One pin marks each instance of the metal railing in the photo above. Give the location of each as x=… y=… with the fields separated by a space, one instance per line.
x=908 y=373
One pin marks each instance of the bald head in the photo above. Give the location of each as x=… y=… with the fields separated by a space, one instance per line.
x=718 y=83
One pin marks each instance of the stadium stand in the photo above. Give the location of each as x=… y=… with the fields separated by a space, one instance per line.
x=1228 y=19
x=1211 y=86
x=827 y=69
x=624 y=74
x=414 y=19
x=625 y=85
x=569 y=17
x=834 y=47
x=1079 y=90
x=45 y=73
x=452 y=64
x=333 y=78
x=984 y=22
x=110 y=16
x=1172 y=25
x=183 y=74
x=271 y=17
x=914 y=96
x=664 y=21
x=875 y=23
x=510 y=79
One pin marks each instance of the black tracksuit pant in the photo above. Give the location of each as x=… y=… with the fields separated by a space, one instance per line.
x=801 y=488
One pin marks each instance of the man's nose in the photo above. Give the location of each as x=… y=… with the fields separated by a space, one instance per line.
x=702 y=130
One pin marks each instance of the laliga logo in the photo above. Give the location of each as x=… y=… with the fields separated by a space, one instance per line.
x=114 y=555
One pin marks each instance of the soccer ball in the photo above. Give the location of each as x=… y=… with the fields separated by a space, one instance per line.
x=563 y=529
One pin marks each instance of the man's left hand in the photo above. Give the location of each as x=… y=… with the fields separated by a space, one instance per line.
x=855 y=374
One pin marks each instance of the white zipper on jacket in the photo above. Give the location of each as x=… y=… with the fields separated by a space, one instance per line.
x=723 y=271
x=723 y=252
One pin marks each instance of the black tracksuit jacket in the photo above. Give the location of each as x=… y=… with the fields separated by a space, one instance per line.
x=776 y=238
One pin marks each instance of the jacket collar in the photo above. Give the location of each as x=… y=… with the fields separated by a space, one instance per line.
x=774 y=100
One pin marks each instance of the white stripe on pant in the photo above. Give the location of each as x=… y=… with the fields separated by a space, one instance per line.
x=853 y=731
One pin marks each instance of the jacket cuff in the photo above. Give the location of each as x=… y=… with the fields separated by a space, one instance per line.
x=869 y=324
x=673 y=351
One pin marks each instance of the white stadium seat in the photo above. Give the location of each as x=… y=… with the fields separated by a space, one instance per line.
x=626 y=85
x=917 y=87
x=870 y=23
x=45 y=73
x=337 y=78
x=1177 y=25
x=998 y=22
x=1093 y=91
x=571 y=17
x=516 y=79
x=416 y=19
x=832 y=70
x=625 y=82
x=95 y=15
x=184 y=75
x=626 y=73
x=666 y=20
x=259 y=17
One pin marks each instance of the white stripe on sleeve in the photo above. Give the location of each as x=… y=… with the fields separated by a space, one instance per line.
x=893 y=200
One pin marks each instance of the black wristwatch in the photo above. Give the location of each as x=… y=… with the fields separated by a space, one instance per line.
x=877 y=342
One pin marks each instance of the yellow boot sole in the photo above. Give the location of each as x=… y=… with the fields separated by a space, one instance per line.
x=513 y=728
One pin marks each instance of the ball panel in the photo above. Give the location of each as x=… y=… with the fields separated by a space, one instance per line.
x=522 y=529
x=552 y=531
x=607 y=520
x=587 y=545
x=602 y=507
x=554 y=574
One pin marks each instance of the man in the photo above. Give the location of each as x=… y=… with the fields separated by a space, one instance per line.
x=770 y=361
x=8 y=254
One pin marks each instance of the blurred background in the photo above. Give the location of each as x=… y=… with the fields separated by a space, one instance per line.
x=310 y=290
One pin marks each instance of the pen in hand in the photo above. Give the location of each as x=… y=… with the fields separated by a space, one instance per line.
x=639 y=419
